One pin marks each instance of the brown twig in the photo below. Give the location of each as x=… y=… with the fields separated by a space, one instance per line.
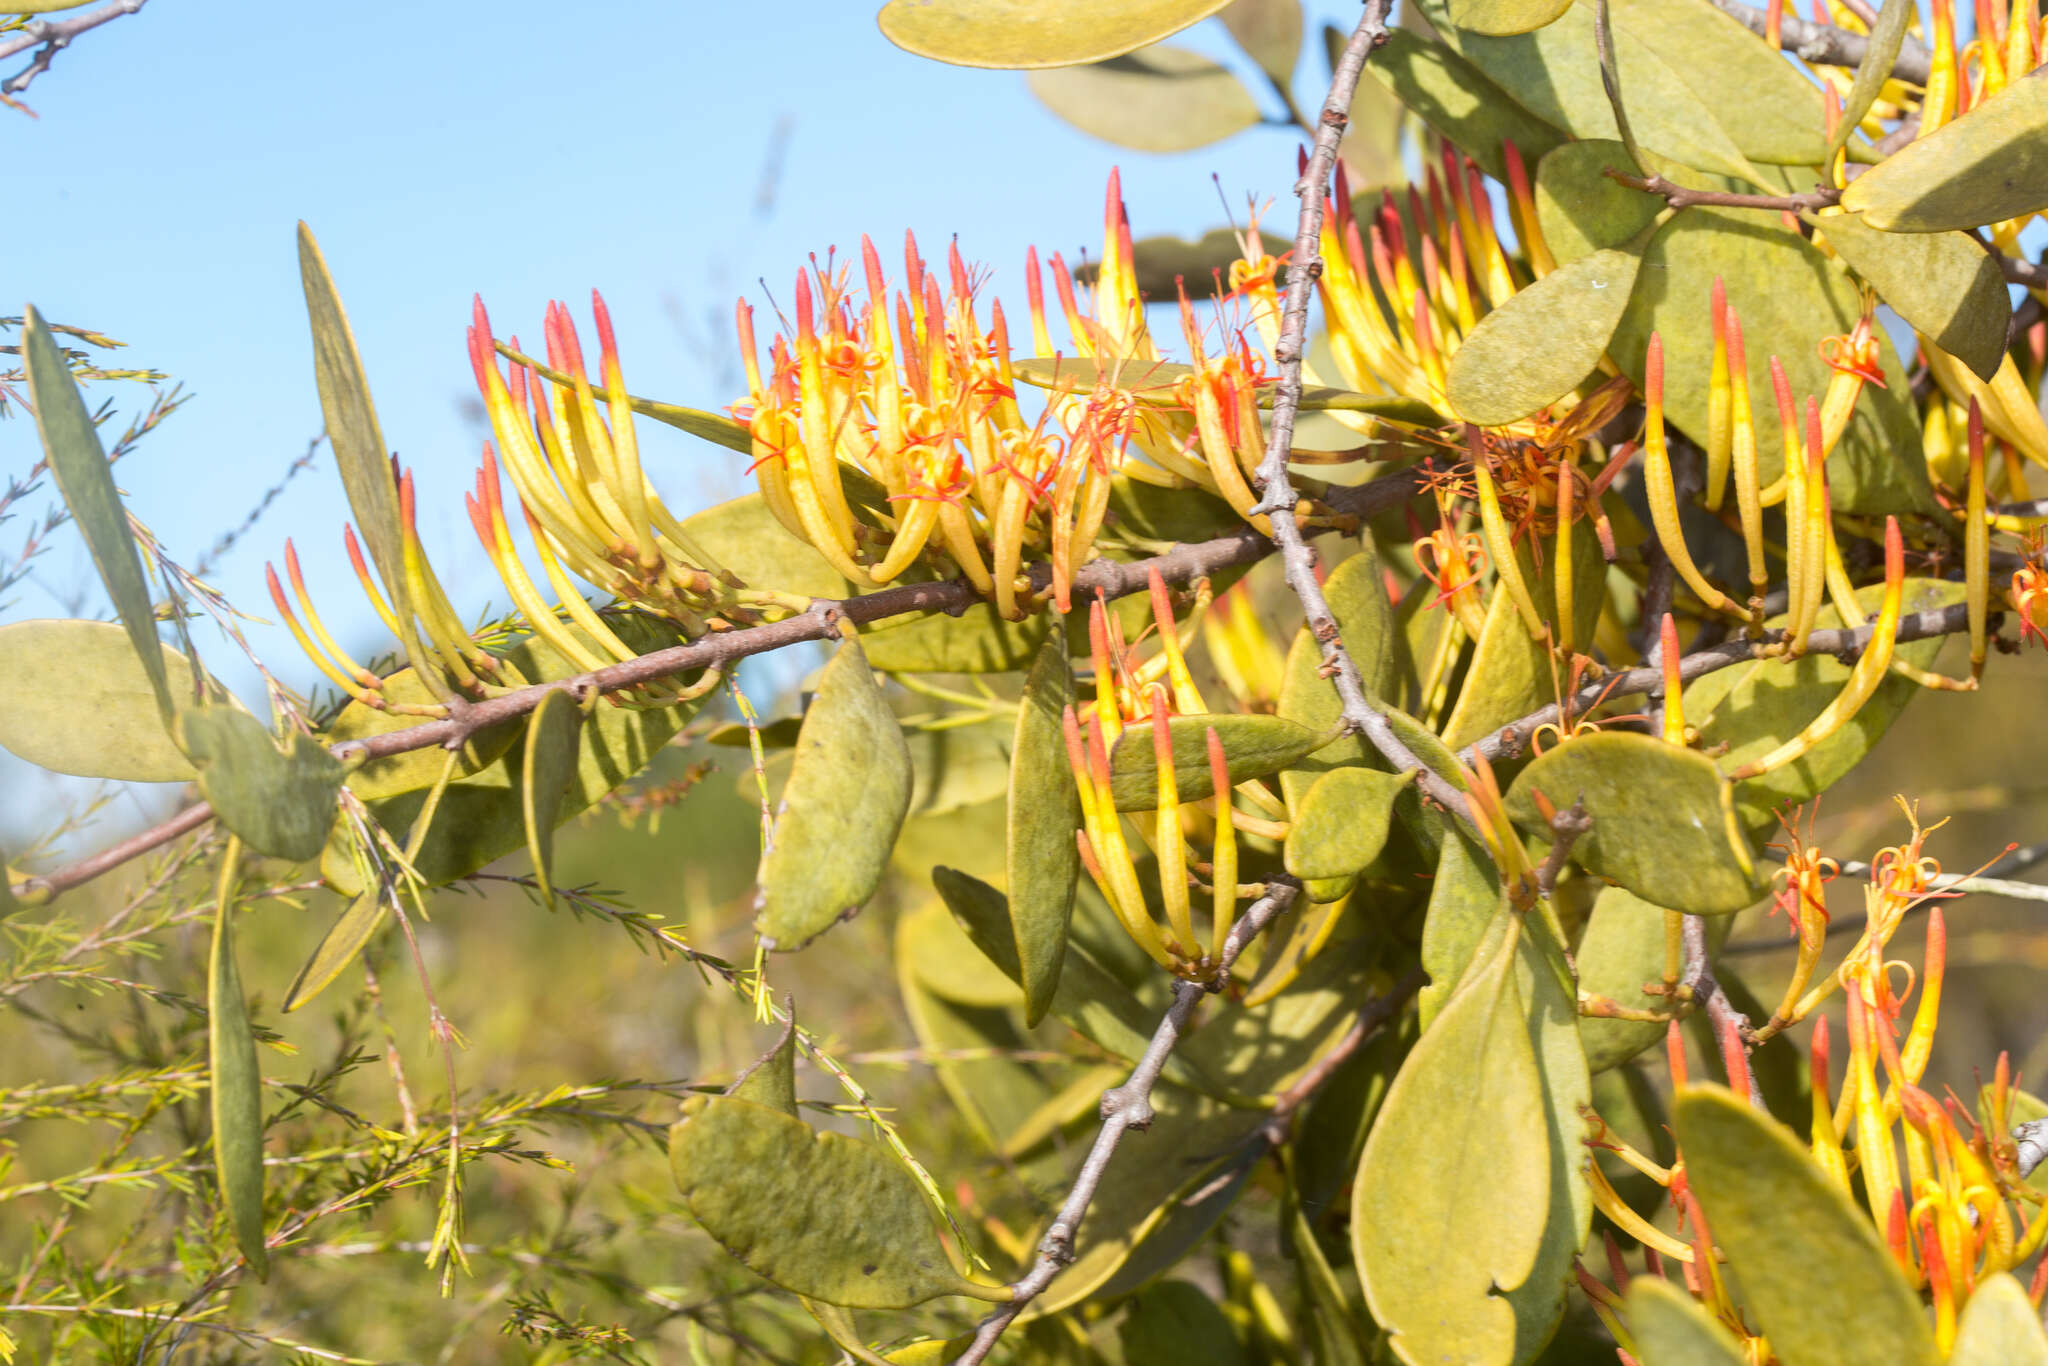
x=1565 y=828
x=51 y=36
x=1826 y=45
x=1731 y=1027
x=1124 y=1107
x=1685 y=197
x=1277 y=496
x=1114 y=578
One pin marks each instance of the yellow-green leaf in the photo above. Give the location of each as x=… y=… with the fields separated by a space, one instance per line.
x=1771 y=1207
x=1999 y=1327
x=338 y=948
x=1157 y=99
x=1943 y=283
x=771 y=1079
x=1535 y=348
x=71 y=445
x=935 y=951
x=235 y=1084
x=1025 y=34
x=1886 y=36
x=1044 y=862
x=1269 y=31
x=1179 y=1322
x=1506 y=16
x=1357 y=596
x=1988 y=165
x=1461 y=102
x=744 y=537
x=1672 y=1330
x=76 y=698
x=1452 y=1194
x=845 y=801
x=360 y=455
x=1766 y=107
x=1343 y=823
x=1253 y=747
x=1463 y=898
x=1621 y=951
x=829 y=1217
x=553 y=735
x=280 y=802
x=1582 y=209
x=1659 y=825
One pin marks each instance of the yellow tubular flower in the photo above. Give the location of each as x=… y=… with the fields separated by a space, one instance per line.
x=1742 y=460
x=1674 y=704
x=1168 y=839
x=1720 y=405
x=1661 y=491
x=1223 y=862
x=1869 y=671
x=1499 y=540
x=1977 y=548
x=1827 y=1147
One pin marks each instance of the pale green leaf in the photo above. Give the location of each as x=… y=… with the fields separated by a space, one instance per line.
x=1872 y=73
x=76 y=698
x=339 y=947
x=1986 y=166
x=938 y=955
x=1536 y=348
x=1044 y=862
x=1452 y=1194
x=744 y=537
x=1157 y=99
x=1461 y=102
x=280 y=802
x=1179 y=1322
x=1999 y=1327
x=1024 y=34
x=1581 y=209
x=553 y=733
x=1463 y=898
x=1506 y=16
x=71 y=445
x=1269 y=31
x=1943 y=283
x=845 y=801
x=1343 y=823
x=1771 y=1207
x=360 y=455
x=408 y=772
x=1672 y=1330
x=1357 y=597
x=771 y=1079
x=1621 y=951
x=829 y=1217
x=235 y=1088
x=1659 y=825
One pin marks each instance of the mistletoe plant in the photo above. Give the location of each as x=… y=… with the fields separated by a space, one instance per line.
x=1620 y=525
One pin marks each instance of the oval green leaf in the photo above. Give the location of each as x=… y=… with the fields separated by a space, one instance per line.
x=1253 y=747
x=1269 y=31
x=1463 y=898
x=76 y=698
x=1157 y=99
x=408 y=772
x=1672 y=1330
x=1621 y=951
x=770 y=1191
x=1659 y=828
x=236 y=1087
x=1989 y=165
x=338 y=948
x=1357 y=596
x=1943 y=283
x=1999 y=1327
x=1044 y=862
x=770 y=1079
x=1506 y=16
x=1536 y=348
x=1025 y=34
x=1343 y=822
x=553 y=734
x=1770 y=1208
x=1452 y=1193
x=1461 y=102
x=1872 y=72
x=280 y=802
x=846 y=799
x=71 y=446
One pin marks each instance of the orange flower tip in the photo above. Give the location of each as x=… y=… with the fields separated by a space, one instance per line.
x=1219 y=769
x=478 y=518
x=276 y=588
x=1736 y=362
x=1781 y=386
x=608 y=347
x=1545 y=808
x=1976 y=431
x=1162 y=735
x=1814 y=455
x=1894 y=552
